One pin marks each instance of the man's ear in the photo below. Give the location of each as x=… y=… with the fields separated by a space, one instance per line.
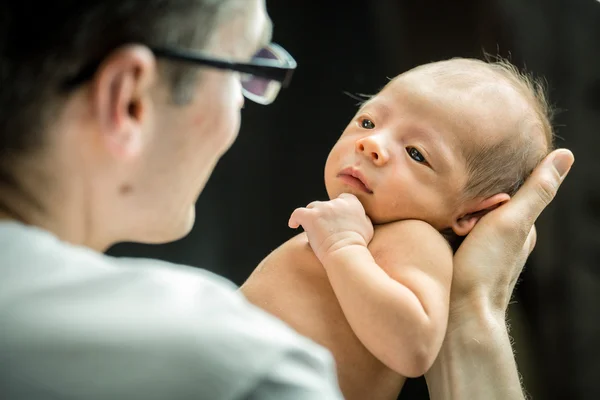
x=121 y=101
x=465 y=222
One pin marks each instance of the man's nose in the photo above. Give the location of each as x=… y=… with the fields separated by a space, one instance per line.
x=373 y=147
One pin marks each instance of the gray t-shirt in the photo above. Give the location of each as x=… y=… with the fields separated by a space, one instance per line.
x=76 y=324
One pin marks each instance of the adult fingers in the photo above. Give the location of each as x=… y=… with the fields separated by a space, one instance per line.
x=541 y=187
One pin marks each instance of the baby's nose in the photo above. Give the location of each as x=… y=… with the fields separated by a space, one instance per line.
x=373 y=148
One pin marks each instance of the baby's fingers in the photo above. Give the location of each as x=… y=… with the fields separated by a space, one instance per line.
x=297 y=217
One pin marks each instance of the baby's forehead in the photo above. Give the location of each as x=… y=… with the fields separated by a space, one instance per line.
x=464 y=75
x=469 y=91
x=472 y=104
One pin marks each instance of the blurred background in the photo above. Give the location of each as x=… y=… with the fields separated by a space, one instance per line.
x=353 y=46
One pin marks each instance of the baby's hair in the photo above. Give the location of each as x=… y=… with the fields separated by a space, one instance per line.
x=517 y=155
x=503 y=166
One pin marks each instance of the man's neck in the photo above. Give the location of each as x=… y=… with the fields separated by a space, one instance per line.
x=58 y=213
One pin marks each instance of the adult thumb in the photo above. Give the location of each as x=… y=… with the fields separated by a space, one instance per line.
x=541 y=187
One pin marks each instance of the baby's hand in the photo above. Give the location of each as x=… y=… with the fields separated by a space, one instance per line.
x=335 y=224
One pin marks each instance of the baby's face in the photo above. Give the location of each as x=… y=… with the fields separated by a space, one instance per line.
x=402 y=154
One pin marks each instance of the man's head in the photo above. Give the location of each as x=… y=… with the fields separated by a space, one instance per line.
x=130 y=149
x=444 y=143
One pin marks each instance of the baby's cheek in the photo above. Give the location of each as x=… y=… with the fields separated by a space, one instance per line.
x=339 y=151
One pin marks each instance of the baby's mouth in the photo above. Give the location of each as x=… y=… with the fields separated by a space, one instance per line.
x=355 y=179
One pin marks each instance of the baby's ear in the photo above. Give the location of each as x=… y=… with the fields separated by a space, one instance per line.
x=475 y=210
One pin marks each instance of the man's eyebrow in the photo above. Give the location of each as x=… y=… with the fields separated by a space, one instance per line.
x=267 y=33
x=263 y=40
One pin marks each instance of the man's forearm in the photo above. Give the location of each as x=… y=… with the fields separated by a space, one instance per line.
x=476 y=362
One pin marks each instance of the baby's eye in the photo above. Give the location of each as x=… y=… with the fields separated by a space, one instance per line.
x=416 y=155
x=367 y=123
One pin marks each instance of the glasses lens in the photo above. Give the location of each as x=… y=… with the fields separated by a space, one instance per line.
x=267 y=53
x=262 y=90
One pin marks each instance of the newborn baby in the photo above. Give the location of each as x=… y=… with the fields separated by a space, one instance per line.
x=422 y=161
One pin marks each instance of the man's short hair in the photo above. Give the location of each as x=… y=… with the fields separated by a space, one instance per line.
x=42 y=44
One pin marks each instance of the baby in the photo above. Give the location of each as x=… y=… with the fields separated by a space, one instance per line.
x=423 y=161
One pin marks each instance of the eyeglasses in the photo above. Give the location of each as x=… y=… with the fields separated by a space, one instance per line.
x=268 y=71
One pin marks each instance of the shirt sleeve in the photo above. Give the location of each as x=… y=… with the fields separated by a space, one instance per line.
x=299 y=375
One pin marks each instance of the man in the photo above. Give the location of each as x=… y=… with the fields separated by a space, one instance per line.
x=112 y=118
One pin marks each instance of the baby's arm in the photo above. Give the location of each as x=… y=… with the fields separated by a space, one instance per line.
x=395 y=293
x=401 y=315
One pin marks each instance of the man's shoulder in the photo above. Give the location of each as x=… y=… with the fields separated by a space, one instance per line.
x=136 y=290
x=191 y=325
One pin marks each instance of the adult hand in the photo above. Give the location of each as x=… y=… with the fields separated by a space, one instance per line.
x=476 y=360
x=489 y=261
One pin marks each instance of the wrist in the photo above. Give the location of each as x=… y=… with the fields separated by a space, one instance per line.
x=480 y=306
x=476 y=360
x=479 y=327
x=342 y=252
x=475 y=324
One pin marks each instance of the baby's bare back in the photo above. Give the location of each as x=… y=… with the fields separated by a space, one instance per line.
x=292 y=284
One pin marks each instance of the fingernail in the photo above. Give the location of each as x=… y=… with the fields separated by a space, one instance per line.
x=563 y=161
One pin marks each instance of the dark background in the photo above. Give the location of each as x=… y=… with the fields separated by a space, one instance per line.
x=276 y=164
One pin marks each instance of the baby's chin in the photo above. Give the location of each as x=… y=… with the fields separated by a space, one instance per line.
x=375 y=214
x=377 y=219
x=334 y=191
x=380 y=214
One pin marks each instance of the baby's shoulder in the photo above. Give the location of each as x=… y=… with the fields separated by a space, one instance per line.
x=298 y=243
x=295 y=248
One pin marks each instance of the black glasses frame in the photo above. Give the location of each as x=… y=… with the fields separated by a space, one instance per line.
x=280 y=71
